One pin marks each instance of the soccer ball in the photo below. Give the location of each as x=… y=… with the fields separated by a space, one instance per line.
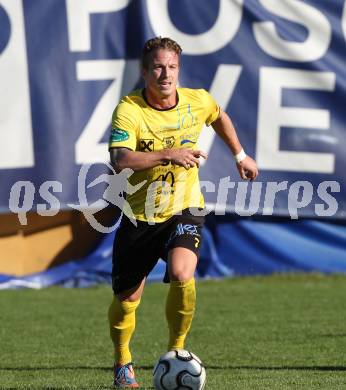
x=178 y=370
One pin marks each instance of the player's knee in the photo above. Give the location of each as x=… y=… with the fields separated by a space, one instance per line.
x=181 y=274
x=129 y=296
x=133 y=294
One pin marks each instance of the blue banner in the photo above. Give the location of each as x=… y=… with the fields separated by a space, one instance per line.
x=230 y=247
x=277 y=67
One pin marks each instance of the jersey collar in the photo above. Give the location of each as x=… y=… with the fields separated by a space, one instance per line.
x=159 y=109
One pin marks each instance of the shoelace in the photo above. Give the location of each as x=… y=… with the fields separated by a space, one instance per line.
x=122 y=371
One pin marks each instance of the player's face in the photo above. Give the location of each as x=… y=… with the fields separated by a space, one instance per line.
x=161 y=77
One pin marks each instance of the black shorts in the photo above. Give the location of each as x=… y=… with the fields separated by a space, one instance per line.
x=137 y=249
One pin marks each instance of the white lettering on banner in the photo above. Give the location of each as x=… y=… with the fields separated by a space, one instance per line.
x=272 y=116
x=300 y=195
x=78 y=19
x=28 y=199
x=224 y=29
x=51 y=200
x=343 y=20
x=222 y=89
x=224 y=185
x=320 y=210
x=88 y=147
x=306 y=190
x=16 y=141
x=23 y=207
x=318 y=26
x=271 y=190
x=207 y=186
x=255 y=197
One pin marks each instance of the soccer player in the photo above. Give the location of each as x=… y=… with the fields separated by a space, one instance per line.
x=155 y=132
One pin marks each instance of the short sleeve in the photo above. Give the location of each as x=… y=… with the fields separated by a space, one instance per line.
x=124 y=127
x=212 y=109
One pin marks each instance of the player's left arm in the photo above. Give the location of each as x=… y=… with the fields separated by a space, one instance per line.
x=223 y=126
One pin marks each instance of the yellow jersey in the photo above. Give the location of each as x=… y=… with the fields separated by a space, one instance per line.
x=166 y=189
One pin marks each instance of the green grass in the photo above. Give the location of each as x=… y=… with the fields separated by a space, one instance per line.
x=278 y=332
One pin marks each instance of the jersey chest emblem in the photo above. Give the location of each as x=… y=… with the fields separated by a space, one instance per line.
x=146 y=145
x=168 y=142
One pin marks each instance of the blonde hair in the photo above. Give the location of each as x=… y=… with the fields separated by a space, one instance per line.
x=158 y=43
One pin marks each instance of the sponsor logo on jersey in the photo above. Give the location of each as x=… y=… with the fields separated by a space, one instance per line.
x=118 y=135
x=167 y=184
x=190 y=137
x=169 y=127
x=168 y=142
x=187 y=141
x=166 y=177
x=185 y=229
x=146 y=145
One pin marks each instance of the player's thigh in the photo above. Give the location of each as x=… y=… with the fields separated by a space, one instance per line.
x=181 y=263
x=183 y=245
x=134 y=256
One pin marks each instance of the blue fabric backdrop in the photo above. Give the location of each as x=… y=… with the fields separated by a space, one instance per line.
x=231 y=246
x=277 y=67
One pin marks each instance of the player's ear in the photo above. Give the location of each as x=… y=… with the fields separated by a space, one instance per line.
x=144 y=72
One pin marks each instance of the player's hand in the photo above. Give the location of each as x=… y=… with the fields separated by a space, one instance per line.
x=248 y=168
x=186 y=158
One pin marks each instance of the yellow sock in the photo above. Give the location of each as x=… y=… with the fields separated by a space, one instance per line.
x=122 y=322
x=180 y=307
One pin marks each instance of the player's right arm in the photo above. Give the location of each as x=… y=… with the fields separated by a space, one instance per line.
x=123 y=144
x=122 y=157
